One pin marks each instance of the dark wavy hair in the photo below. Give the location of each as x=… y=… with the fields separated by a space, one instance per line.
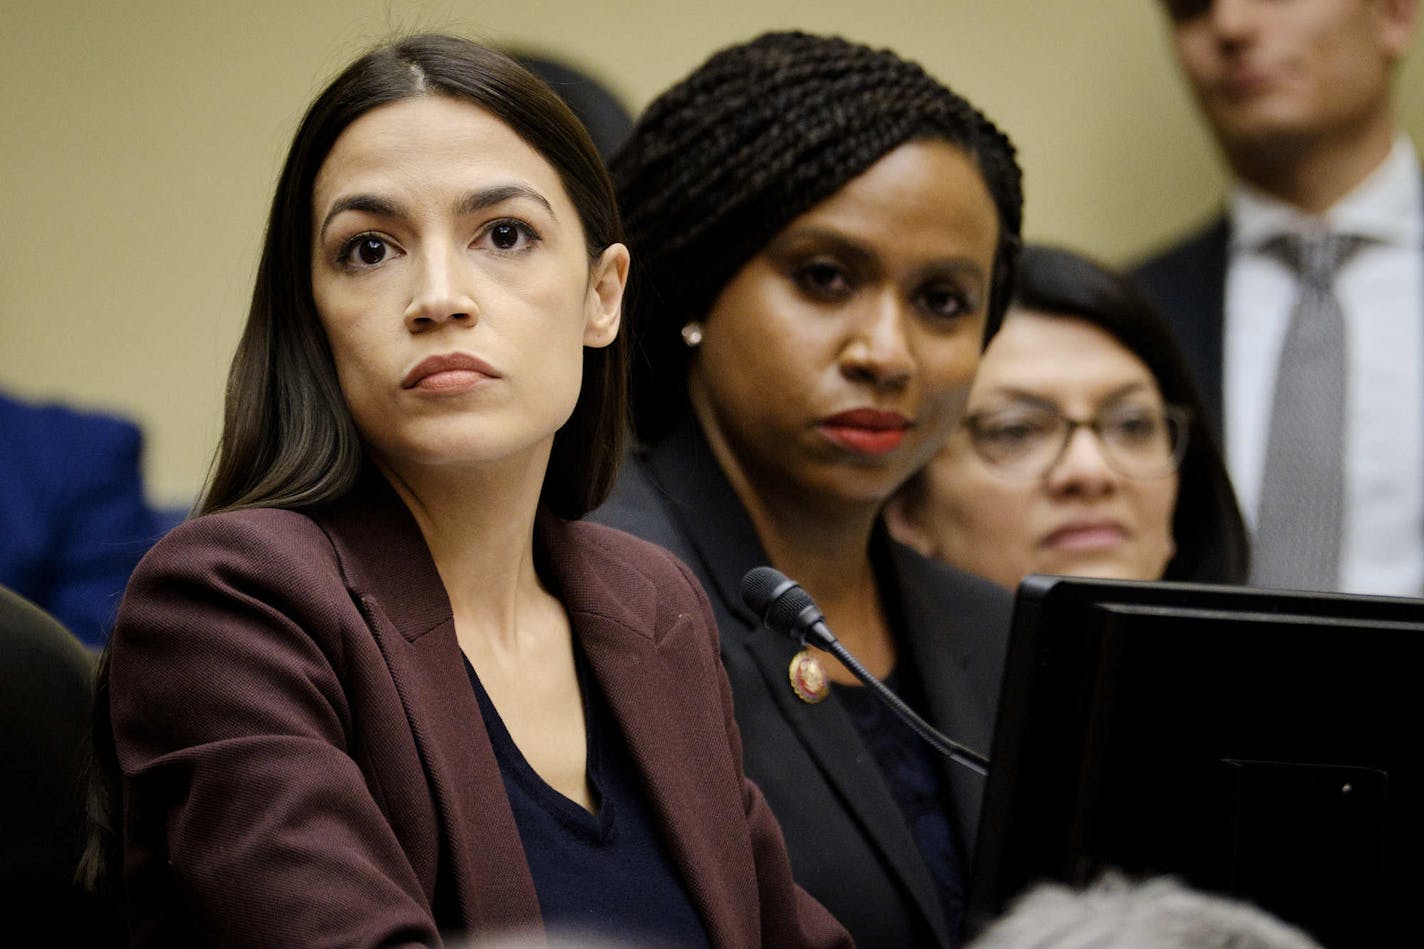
x=288 y=439
x=1207 y=527
x=754 y=137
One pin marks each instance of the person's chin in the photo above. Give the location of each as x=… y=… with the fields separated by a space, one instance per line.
x=1268 y=129
x=1118 y=566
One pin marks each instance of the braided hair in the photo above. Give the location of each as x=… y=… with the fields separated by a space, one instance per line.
x=756 y=136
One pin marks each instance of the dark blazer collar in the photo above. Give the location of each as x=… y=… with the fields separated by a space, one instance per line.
x=708 y=512
x=610 y=602
x=712 y=518
x=621 y=619
x=391 y=577
x=384 y=556
x=1203 y=292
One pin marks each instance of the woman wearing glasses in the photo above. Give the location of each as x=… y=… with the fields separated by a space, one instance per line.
x=1082 y=450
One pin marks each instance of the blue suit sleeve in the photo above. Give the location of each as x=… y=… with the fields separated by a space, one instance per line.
x=76 y=522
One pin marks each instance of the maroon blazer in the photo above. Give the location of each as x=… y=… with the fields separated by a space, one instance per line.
x=304 y=761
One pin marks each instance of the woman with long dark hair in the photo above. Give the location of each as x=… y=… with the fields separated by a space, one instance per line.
x=383 y=689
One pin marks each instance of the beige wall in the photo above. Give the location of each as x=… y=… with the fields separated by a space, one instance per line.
x=142 y=139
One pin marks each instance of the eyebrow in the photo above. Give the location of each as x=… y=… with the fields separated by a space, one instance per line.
x=839 y=242
x=368 y=203
x=469 y=204
x=851 y=248
x=1017 y=394
x=489 y=197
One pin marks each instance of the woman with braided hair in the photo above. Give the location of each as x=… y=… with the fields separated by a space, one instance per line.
x=824 y=237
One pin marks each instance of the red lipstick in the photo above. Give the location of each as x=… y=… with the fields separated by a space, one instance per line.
x=866 y=431
x=451 y=372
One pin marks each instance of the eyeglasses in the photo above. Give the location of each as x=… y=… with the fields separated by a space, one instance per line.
x=1025 y=441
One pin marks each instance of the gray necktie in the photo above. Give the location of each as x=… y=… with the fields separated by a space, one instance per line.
x=1299 y=530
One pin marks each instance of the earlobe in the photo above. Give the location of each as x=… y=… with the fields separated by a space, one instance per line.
x=1398 y=20
x=906 y=529
x=608 y=278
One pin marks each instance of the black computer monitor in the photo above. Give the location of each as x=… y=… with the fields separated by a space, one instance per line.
x=1257 y=743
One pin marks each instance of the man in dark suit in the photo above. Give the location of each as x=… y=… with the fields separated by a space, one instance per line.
x=1323 y=418
x=73 y=521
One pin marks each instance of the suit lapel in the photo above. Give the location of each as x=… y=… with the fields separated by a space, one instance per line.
x=828 y=732
x=669 y=717
x=1197 y=304
x=959 y=673
x=710 y=516
x=391 y=575
x=1215 y=251
x=1188 y=286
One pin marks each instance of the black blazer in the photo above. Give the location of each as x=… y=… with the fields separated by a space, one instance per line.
x=1187 y=283
x=849 y=845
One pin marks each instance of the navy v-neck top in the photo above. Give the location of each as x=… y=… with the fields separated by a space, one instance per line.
x=605 y=876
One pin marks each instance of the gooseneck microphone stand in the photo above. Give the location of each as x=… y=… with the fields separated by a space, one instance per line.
x=783 y=606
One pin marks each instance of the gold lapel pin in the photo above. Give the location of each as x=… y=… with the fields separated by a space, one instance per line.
x=808 y=678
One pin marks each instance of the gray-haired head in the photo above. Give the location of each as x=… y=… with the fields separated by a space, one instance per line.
x=1116 y=913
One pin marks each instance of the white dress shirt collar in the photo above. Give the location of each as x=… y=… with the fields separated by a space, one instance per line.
x=1387 y=207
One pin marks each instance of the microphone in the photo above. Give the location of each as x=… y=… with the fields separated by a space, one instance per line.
x=784 y=607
